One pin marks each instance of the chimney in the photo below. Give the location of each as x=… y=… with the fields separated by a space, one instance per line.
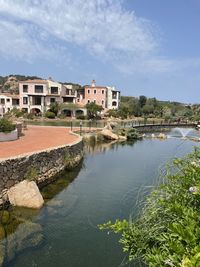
x=93 y=83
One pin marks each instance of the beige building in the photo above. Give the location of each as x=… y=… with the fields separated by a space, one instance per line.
x=32 y=95
x=36 y=96
x=8 y=102
x=113 y=98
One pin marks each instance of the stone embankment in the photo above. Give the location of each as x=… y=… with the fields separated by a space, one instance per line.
x=41 y=166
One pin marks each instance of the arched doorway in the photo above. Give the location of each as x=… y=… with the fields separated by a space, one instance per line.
x=35 y=111
x=79 y=112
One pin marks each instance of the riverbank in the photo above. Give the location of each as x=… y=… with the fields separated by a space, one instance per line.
x=39 y=155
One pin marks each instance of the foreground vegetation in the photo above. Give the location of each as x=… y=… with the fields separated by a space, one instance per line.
x=167 y=233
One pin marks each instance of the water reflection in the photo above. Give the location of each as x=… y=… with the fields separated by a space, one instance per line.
x=61 y=182
x=93 y=146
x=18 y=232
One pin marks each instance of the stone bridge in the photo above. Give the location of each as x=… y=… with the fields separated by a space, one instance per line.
x=162 y=126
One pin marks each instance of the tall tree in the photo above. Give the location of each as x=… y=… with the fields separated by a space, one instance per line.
x=142 y=100
x=93 y=110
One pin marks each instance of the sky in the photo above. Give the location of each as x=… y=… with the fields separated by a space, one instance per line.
x=142 y=47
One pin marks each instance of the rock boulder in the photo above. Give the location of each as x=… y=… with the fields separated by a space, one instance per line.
x=108 y=134
x=25 y=194
x=162 y=136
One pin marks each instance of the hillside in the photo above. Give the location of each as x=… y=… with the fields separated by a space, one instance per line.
x=10 y=84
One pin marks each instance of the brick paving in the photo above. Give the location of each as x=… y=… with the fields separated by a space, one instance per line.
x=37 y=138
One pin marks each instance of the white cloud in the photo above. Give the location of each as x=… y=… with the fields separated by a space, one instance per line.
x=103 y=27
x=34 y=29
x=23 y=42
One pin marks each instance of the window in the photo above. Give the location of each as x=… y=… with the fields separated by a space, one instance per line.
x=94 y=101
x=102 y=102
x=25 y=100
x=114 y=95
x=88 y=101
x=67 y=99
x=78 y=100
x=114 y=103
x=95 y=91
x=25 y=88
x=102 y=92
x=52 y=100
x=2 y=101
x=8 y=99
x=54 y=90
x=88 y=91
x=37 y=100
x=15 y=102
x=39 y=89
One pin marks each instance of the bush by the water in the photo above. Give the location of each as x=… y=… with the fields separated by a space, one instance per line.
x=6 y=126
x=130 y=133
x=167 y=233
x=50 y=115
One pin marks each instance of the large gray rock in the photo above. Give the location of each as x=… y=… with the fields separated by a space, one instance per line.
x=108 y=134
x=25 y=194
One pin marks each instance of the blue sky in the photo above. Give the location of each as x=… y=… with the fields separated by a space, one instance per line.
x=143 y=47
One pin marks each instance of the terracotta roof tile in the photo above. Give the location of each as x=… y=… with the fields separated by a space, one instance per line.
x=34 y=81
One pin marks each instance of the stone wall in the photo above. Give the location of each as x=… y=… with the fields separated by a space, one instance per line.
x=41 y=166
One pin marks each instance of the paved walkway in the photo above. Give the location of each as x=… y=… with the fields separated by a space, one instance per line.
x=37 y=138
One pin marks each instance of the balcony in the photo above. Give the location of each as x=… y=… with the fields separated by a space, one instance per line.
x=54 y=90
x=69 y=93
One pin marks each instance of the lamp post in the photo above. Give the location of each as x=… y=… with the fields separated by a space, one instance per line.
x=90 y=124
x=80 y=127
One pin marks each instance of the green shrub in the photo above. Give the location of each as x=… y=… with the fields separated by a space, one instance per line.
x=132 y=134
x=29 y=116
x=31 y=173
x=50 y=115
x=61 y=116
x=167 y=233
x=81 y=117
x=17 y=112
x=6 y=126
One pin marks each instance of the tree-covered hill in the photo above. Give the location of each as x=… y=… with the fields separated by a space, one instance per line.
x=10 y=83
x=153 y=108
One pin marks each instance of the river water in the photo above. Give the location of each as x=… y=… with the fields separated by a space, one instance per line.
x=111 y=182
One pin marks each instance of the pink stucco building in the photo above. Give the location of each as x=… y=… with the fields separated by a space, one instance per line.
x=105 y=96
x=36 y=96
